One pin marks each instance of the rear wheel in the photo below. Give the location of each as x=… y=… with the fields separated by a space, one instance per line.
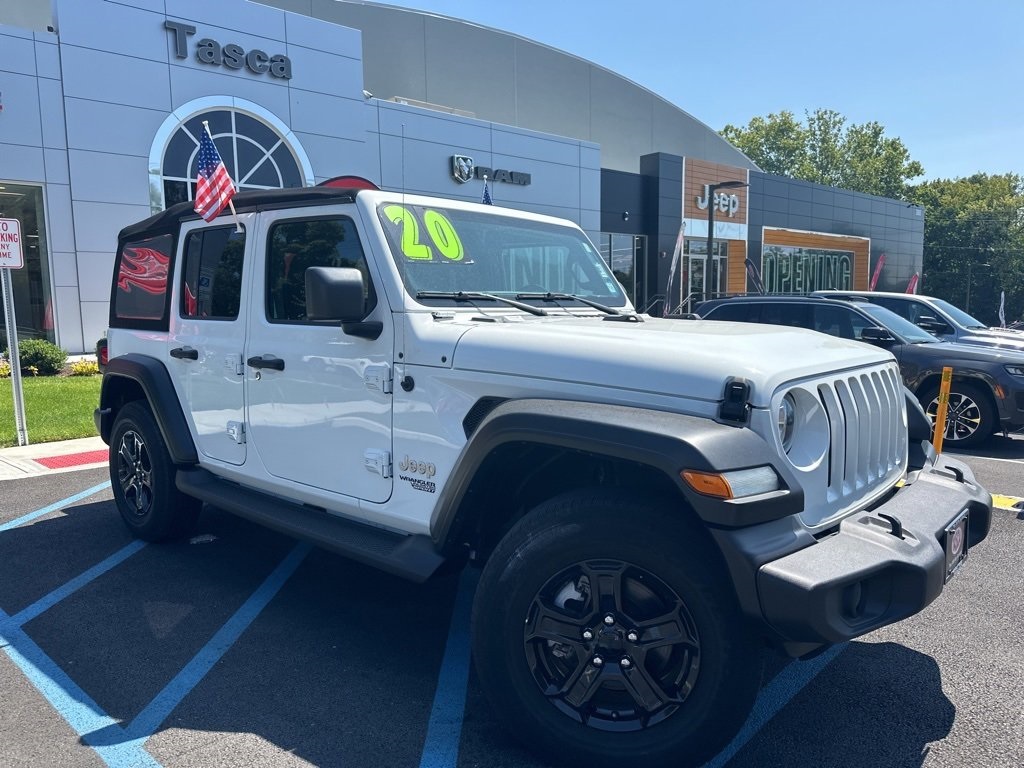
x=606 y=632
x=970 y=417
x=142 y=477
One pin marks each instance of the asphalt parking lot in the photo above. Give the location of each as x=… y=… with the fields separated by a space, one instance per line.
x=242 y=647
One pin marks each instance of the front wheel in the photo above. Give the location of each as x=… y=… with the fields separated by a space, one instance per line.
x=970 y=417
x=606 y=633
x=142 y=478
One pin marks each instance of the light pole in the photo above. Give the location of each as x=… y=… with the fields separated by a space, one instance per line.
x=967 y=304
x=712 y=188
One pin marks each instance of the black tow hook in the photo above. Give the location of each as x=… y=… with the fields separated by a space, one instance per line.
x=895 y=526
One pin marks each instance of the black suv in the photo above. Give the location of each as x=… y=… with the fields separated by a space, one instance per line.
x=987 y=393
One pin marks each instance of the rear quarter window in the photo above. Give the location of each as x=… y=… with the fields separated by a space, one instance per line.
x=140 y=293
x=739 y=313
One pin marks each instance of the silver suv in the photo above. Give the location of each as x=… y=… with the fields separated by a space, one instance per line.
x=938 y=317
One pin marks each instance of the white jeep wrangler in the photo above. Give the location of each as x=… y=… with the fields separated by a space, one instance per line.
x=417 y=383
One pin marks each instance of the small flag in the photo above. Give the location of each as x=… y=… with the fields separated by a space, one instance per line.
x=676 y=253
x=878 y=271
x=754 y=275
x=214 y=189
x=487 y=193
x=1002 y=309
x=912 y=285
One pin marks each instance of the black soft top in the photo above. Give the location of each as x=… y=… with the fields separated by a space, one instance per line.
x=254 y=200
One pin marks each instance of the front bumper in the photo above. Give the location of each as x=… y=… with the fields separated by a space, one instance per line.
x=863 y=576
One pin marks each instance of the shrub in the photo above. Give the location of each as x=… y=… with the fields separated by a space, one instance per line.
x=5 y=369
x=83 y=368
x=40 y=357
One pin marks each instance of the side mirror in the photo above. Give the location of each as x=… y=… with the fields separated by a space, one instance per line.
x=338 y=294
x=932 y=324
x=879 y=336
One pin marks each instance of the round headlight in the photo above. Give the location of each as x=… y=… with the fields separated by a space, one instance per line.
x=785 y=419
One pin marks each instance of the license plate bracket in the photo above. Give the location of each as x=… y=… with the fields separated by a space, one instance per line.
x=954 y=543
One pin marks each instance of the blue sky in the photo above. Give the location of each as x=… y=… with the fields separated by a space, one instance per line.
x=945 y=77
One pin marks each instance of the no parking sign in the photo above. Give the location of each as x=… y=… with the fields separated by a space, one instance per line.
x=10 y=244
x=11 y=257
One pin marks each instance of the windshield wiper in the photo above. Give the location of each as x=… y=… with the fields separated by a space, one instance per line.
x=549 y=296
x=476 y=296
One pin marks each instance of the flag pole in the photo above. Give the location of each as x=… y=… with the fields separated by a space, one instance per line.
x=231 y=203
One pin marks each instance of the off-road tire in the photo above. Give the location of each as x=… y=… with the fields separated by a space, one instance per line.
x=142 y=478
x=529 y=633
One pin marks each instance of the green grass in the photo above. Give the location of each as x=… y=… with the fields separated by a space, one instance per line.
x=56 y=408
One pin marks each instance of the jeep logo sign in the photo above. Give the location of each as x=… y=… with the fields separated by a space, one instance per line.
x=729 y=204
x=231 y=55
x=464 y=169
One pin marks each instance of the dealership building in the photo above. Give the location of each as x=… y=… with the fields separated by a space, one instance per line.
x=102 y=103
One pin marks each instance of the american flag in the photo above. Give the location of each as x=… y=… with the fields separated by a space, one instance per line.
x=487 y=193
x=214 y=189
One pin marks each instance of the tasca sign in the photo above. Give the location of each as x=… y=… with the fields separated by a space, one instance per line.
x=10 y=244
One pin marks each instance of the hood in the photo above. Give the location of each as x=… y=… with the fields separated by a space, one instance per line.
x=686 y=358
x=957 y=351
x=994 y=337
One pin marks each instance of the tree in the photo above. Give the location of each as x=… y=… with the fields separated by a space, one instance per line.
x=974 y=242
x=825 y=150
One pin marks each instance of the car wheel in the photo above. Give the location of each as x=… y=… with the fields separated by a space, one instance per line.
x=970 y=417
x=142 y=477
x=606 y=633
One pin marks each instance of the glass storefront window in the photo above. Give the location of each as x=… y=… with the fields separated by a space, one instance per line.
x=625 y=255
x=703 y=280
x=33 y=304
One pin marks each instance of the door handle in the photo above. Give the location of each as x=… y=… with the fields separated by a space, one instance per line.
x=266 y=361
x=185 y=353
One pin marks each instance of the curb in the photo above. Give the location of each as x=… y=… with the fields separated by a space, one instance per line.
x=45 y=458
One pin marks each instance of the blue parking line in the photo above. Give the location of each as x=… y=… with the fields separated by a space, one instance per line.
x=44 y=604
x=72 y=703
x=146 y=722
x=776 y=695
x=53 y=507
x=444 y=731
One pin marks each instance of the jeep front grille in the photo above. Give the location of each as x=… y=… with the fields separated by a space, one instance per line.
x=867 y=435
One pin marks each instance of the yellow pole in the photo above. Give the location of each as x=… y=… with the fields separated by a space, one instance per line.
x=940 y=414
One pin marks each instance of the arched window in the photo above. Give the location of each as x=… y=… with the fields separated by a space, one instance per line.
x=258 y=151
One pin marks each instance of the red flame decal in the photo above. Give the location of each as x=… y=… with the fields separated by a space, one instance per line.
x=143 y=268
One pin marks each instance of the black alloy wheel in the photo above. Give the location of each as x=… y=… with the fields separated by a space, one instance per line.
x=135 y=473
x=611 y=645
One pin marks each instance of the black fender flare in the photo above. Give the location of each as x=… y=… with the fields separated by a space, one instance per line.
x=668 y=442
x=155 y=382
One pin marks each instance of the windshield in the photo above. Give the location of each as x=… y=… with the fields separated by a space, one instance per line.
x=959 y=316
x=897 y=325
x=449 y=250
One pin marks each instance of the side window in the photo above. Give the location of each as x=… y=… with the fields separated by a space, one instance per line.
x=212 y=274
x=140 y=290
x=736 y=312
x=798 y=315
x=902 y=308
x=835 y=321
x=297 y=244
x=859 y=322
